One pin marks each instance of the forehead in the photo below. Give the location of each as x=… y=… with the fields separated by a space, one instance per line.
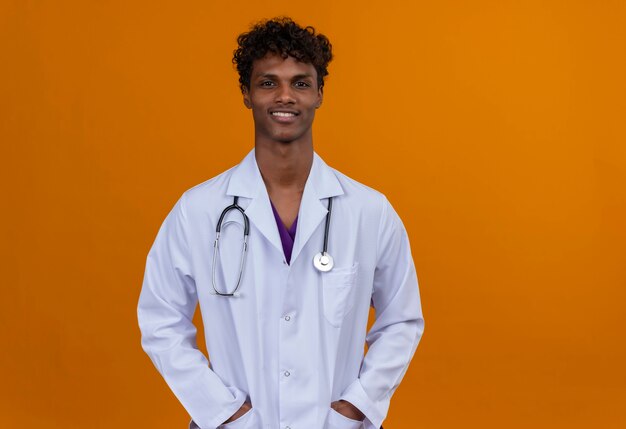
x=274 y=64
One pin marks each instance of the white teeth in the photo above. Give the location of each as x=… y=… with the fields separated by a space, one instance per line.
x=283 y=114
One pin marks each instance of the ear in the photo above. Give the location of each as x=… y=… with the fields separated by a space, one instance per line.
x=320 y=97
x=246 y=97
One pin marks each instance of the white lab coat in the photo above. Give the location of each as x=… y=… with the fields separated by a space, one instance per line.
x=293 y=342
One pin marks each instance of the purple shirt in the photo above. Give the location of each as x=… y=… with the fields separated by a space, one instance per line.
x=287 y=236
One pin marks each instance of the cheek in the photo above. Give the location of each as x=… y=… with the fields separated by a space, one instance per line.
x=257 y=113
x=311 y=112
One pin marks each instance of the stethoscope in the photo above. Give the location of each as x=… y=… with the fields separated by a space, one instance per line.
x=322 y=261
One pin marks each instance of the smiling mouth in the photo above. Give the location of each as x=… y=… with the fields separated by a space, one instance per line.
x=284 y=114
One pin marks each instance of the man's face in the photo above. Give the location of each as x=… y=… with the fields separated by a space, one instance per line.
x=283 y=96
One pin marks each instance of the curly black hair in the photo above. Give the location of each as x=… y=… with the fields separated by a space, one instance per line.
x=283 y=37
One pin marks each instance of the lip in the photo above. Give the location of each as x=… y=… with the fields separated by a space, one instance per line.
x=284 y=119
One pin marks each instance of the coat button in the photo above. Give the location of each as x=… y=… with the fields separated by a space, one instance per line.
x=287 y=318
x=287 y=373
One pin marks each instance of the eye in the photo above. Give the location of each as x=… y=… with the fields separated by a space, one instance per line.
x=301 y=84
x=267 y=83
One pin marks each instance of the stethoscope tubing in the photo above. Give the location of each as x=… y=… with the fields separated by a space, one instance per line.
x=235 y=206
x=327 y=227
x=244 y=248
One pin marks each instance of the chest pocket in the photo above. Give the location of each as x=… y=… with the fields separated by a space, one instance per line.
x=338 y=288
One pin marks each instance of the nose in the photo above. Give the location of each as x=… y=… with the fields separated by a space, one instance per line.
x=284 y=95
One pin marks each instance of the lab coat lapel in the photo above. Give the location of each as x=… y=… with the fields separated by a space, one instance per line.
x=321 y=184
x=246 y=182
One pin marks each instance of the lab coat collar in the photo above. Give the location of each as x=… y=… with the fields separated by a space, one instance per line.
x=322 y=183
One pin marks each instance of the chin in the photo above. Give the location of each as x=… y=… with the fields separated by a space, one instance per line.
x=286 y=139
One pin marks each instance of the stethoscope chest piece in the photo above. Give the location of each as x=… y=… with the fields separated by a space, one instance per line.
x=323 y=262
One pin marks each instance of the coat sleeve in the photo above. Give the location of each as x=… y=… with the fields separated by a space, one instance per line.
x=399 y=324
x=167 y=303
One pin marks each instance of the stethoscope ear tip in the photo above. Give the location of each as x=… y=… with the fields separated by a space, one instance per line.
x=237 y=294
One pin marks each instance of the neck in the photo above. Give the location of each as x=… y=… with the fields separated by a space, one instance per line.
x=284 y=167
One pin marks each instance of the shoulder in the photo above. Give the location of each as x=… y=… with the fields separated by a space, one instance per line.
x=366 y=202
x=360 y=195
x=205 y=193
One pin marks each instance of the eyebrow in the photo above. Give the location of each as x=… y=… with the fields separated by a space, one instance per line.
x=296 y=77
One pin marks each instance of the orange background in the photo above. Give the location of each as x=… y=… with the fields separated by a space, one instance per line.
x=496 y=129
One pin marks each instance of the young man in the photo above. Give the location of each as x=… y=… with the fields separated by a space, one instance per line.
x=285 y=309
